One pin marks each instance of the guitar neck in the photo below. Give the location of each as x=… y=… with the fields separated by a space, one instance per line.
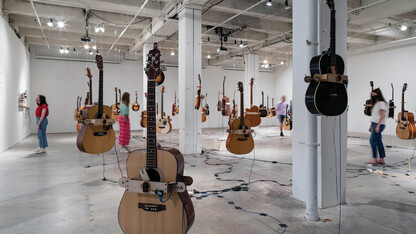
x=100 y=94
x=251 y=95
x=151 y=159
x=90 y=97
x=333 y=36
x=241 y=109
x=161 y=107
x=402 y=104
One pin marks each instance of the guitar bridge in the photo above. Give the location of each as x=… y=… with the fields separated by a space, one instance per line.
x=152 y=207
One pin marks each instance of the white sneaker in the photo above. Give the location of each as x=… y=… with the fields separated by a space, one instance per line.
x=37 y=150
x=124 y=150
x=41 y=151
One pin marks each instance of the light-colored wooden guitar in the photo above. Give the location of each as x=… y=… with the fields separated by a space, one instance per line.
x=155 y=200
x=225 y=102
x=143 y=120
x=163 y=124
x=96 y=134
x=269 y=110
x=273 y=109
x=234 y=111
x=287 y=121
x=405 y=122
x=252 y=113
x=240 y=140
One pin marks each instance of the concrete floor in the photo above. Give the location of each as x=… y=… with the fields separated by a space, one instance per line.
x=62 y=191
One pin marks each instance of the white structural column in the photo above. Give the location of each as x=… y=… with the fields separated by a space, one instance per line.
x=189 y=68
x=316 y=179
x=251 y=71
x=146 y=48
x=333 y=130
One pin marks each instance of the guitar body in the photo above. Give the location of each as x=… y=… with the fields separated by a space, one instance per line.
x=273 y=111
x=206 y=111
x=326 y=98
x=203 y=115
x=163 y=125
x=143 y=120
x=95 y=139
x=367 y=109
x=197 y=102
x=225 y=106
x=219 y=106
x=173 y=109
x=406 y=126
x=135 y=220
x=263 y=112
x=115 y=112
x=287 y=124
x=160 y=78
x=135 y=106
x=240 y=143
x=253 y=115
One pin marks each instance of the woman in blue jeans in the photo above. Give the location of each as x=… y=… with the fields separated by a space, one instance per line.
x=42 y=111
x=378 y=124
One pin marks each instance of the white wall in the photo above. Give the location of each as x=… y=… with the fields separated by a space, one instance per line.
x=394 y=65
x=62 y=81
x=14 y=79
x=283 y=83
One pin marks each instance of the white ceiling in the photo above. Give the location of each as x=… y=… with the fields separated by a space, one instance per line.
x=267 y=30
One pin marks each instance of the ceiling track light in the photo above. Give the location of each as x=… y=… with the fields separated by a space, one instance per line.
x=403 y=27
x=269 y=3
x=61 y=24
x=172 y=53
x=50 y=22
x=61 y=50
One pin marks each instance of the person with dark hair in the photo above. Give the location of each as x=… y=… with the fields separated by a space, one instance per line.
x=378 y=123
x=42 y=111
x=124 y=121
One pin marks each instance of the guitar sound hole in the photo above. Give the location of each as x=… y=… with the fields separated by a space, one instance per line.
x=153 y=174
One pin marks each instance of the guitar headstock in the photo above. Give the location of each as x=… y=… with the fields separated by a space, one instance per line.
x=163 y=89
x=115 y=89
x=404 y=87
x=372 y=84
x=153 y=63
x=135 y=93
x=145 y=94
x=252 y=81
x=89 y=73
x=331 y=4
x=99 y=61
x=224 y=80
x=262 y=93
x=240 y=87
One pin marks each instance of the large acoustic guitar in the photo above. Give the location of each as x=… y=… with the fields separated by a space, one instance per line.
x=405 y=122
x=368 y=103
x=198 y=95
x=163 y=125
x=391 y=103
x=225 y=102
x=327 y=96
x=136 y=105
x=262 y=110
x=155 y=200
x=86 y=102
x=240 y=140
x=96 y=134
x=234 y=110
x=143 y=120
x=252 y=113
x=273 y=109
x=269 y=110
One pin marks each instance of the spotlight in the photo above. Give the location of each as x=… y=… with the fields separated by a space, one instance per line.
x=209 y=56
x=97 y=29
x=94 y=47
x=269 y=3
x=403 y=27
x=61 y=24
x=172 y=53
x=61 y=51
x=90 y=52
x=86 y=46
x=241 y=44
x=102 y=29
x=67 y=51
x=50 y=23
x=265 y=61
x=287 y=7
x=282 y=62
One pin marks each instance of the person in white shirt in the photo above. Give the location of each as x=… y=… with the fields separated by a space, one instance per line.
x=378 y=123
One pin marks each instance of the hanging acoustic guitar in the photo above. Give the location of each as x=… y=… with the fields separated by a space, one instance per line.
x=155 y=200
x=262 y=109
x=391 y=103
x=96 y=134
x=326 y=93
x=163 y=125
x=198 y=95
x=225 y=102
x=252 y=113
x=368 y=103
x=240 y=140
x=136 y=105
x=175 y=108
x=287 y=122
x=405 y=122
x=273 y=109
x=219 y=102
x=115 y=108
x=143 y=120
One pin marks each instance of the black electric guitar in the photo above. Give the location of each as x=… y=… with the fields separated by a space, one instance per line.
x=391 y=103
x=323 y=97
x=369 y=104
x=156 y=199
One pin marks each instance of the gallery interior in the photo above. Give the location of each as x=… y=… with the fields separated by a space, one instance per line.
x=207 y=116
